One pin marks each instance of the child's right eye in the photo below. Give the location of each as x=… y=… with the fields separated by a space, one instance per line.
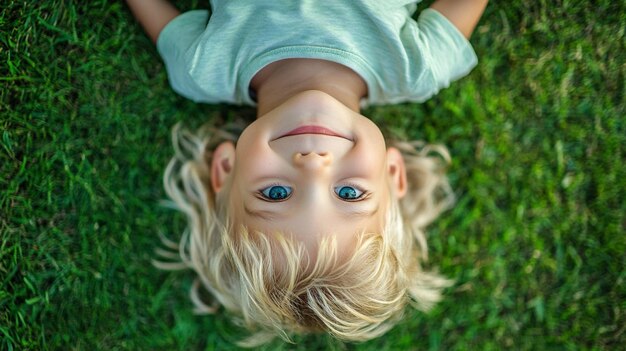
x=276 y=192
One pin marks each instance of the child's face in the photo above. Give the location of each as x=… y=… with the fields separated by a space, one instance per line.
x=312 y=184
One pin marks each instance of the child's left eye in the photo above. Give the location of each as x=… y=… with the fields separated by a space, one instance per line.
x=276 y=192
x=349 y=193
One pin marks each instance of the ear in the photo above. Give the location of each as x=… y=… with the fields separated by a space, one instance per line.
x=222 y=164
x=396 y=172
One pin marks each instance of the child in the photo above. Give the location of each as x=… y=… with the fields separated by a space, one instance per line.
x=310 y=222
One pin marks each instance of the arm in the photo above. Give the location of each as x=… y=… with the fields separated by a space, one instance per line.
x=464 y=14
x=153 y=15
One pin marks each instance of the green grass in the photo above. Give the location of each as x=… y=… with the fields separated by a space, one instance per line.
x=536 y=242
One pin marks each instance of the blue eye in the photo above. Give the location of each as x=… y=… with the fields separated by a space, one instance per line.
x=276 y=192
x=348 y=192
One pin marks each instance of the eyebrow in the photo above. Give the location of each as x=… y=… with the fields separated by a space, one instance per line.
x=271 y=215
x=263 y=214
x=359 y=213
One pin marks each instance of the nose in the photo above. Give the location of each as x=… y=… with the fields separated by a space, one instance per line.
x=312 y=160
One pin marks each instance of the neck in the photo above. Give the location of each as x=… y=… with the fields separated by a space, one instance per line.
x=283 y=79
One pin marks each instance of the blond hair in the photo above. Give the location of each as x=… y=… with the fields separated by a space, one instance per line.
x=268 y=281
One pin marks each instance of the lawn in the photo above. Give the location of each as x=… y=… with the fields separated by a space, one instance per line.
x=536 y=241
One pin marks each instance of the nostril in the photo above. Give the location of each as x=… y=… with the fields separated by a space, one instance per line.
x=303 y=154
x=312 y=158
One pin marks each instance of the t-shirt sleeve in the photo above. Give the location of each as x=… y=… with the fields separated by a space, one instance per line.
x=176 y=44
x=448 y=53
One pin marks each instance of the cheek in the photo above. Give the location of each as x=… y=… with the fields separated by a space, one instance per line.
x=368 y=158
x=255 y=160
x=252 y=150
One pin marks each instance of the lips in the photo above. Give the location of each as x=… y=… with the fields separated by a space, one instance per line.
x=313 y=130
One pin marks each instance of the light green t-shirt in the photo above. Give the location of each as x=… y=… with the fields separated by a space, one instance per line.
x=212 y=57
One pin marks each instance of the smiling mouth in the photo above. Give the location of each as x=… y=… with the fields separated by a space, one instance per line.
x=313 y=130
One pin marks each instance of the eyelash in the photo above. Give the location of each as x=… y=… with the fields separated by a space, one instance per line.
x=261 y=196
x=365 y=194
